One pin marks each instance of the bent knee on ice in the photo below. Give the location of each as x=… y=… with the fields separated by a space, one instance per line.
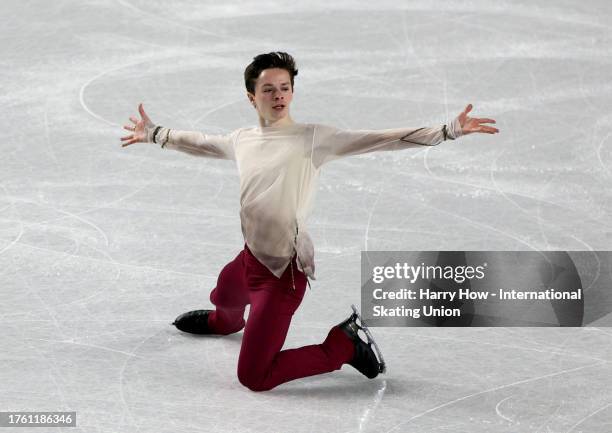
x=253 y=382
x=254 y=385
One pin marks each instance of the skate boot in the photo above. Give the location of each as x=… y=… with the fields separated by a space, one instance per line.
x=194 y=322
x=367 y=360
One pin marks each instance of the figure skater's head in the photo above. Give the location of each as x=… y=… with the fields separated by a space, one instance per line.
x=269 y=83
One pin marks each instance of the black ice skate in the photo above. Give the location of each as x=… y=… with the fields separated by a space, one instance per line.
x=367 y=360
x=194 y=322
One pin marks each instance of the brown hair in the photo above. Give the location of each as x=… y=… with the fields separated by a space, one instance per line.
x=275 y=59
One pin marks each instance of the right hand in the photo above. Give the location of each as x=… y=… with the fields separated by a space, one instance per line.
x=140 y=128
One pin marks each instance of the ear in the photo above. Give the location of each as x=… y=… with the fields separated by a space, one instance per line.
x=251 y=98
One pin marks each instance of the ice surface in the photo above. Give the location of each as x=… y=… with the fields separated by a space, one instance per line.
x=102 y=246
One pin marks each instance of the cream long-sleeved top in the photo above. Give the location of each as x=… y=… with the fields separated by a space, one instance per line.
x=279 y=168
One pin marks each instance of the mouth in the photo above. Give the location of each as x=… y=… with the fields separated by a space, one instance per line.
x=278 y=107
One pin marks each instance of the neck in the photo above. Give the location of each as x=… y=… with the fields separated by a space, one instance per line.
x=285 y=121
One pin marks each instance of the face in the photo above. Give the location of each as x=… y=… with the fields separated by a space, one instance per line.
x=273 y=88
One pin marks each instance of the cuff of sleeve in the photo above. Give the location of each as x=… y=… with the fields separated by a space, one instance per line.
x=454 y=129
x=154 y=132
x=151 y=131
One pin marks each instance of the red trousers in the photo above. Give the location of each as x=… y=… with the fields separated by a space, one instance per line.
x=262 y=364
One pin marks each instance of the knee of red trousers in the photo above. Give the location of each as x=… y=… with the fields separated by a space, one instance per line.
x=252 y=381
x=230 y=300
x=338 y=348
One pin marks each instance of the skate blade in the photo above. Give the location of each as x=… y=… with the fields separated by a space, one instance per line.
x=382 y=367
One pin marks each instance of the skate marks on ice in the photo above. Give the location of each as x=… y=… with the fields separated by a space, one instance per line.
x=407 y=68
x=366 y=416
x=399 y=427
x=592 y=414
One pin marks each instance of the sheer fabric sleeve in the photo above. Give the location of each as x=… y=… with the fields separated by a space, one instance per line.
x=330 y=143
x=196 y=143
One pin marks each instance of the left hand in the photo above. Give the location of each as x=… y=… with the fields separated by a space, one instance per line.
x=140 y=128
x=473 y=124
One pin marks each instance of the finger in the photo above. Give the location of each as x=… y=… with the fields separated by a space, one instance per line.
x=128 y=143
x=133 y=119
x=468 y=108
x=486 y=120
x=142 y=112
x=127 y=137
x=129 y=128
x=488 y=129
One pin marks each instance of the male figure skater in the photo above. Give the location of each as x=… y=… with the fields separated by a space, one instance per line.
x=279 y=163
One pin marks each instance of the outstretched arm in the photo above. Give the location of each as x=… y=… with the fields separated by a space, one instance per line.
x=331 y=143
x=192 y=142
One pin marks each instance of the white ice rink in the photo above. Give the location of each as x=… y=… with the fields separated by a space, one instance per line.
x=101 y=247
